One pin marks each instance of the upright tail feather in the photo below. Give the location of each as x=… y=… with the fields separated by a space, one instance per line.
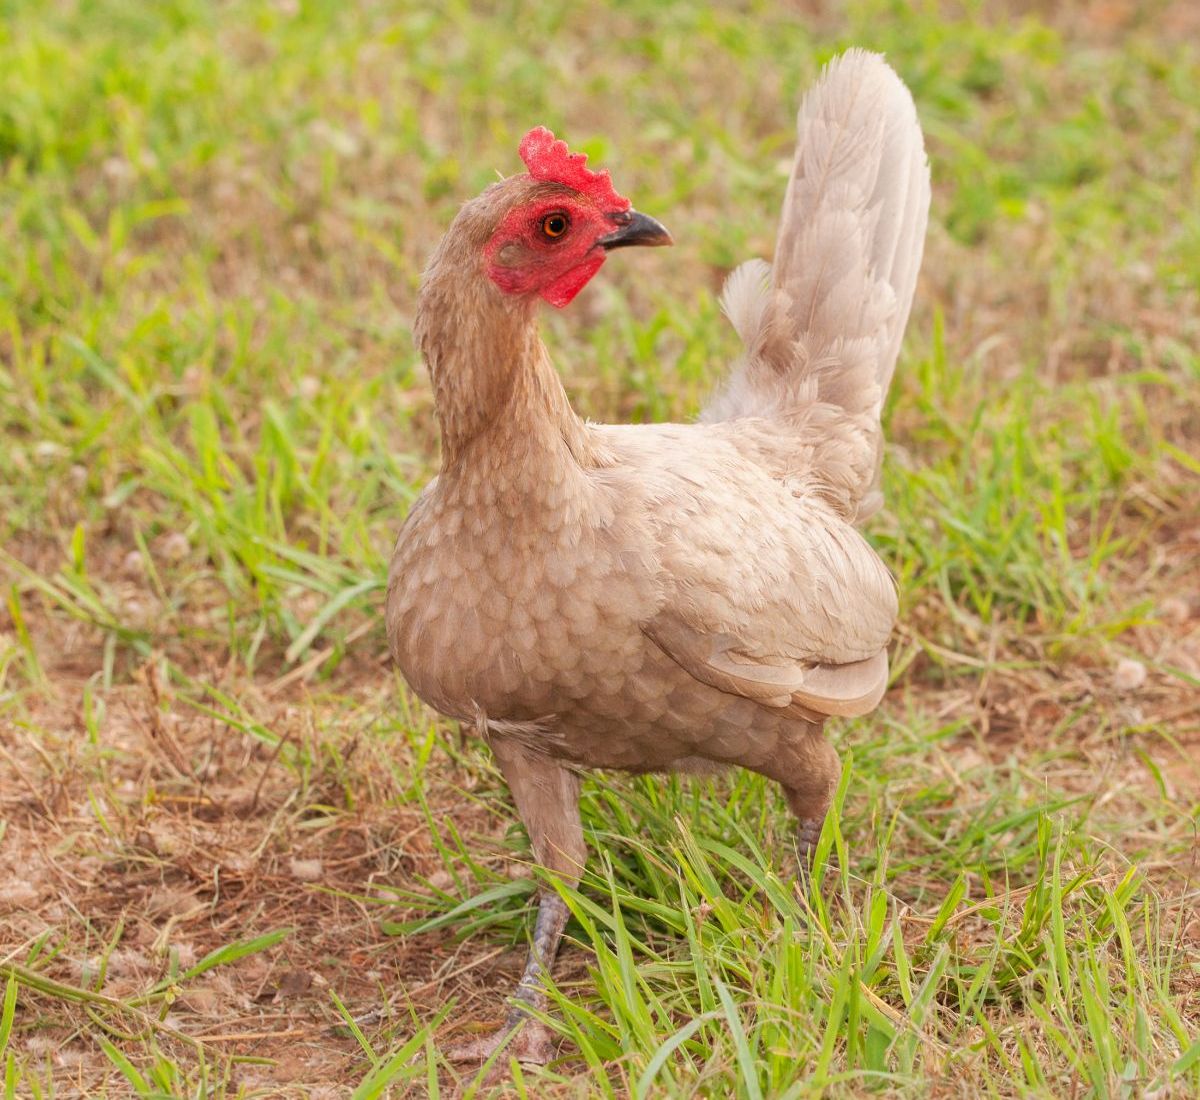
x=824 y=324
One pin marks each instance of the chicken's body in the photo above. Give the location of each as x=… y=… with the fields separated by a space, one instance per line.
x=657 y=596
x=538 y=598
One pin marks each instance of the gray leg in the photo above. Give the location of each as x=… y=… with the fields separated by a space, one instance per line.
x=547 y=798
x=808 y=833
x=808 y=769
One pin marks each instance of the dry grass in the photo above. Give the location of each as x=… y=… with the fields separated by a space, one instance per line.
x=221 y=816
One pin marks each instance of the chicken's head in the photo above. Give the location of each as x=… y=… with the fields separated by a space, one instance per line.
x=564 y=223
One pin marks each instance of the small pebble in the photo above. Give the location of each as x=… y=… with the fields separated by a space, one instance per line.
x=175 y=546
x=88 y=969
x=133 y=564
x=1175 y=609
x=133 y=611
x=125 y=961
x=240 y=865
x=18 y=895
x=308 y=387
x=203 y=1001
x=117 y=169
x=1129 y=674
x=306 y=870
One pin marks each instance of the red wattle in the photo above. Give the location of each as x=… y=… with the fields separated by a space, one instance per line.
x=560 y=292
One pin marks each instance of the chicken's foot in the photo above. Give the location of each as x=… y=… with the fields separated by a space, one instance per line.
x=534 y=1041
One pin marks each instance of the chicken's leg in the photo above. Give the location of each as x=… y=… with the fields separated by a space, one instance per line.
x=808 y=769
x=547 y=798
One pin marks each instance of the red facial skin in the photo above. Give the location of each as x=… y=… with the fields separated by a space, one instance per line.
x=522 y=259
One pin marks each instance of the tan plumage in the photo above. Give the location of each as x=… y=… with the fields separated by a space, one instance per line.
x=656 y=596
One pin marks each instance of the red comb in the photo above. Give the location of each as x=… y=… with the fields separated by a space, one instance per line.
x=551 y=161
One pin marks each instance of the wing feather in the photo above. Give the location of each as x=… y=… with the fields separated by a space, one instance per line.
x=775 y=598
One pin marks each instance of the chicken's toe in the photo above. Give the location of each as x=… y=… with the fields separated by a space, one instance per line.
x=530 y=1041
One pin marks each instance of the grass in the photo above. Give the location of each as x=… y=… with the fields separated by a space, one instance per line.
x=227 y=831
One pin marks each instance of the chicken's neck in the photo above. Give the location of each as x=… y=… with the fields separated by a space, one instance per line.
x=499 y=401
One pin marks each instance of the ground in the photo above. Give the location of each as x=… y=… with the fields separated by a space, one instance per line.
x=227 y=830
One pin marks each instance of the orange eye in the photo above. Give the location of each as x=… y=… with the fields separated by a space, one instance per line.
x=555 y=225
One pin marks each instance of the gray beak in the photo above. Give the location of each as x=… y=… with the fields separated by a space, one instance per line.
x=634 y=229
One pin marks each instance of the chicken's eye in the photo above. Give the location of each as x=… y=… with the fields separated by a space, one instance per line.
x=555 y=225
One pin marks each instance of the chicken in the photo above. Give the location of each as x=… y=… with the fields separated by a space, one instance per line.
x=662 y=596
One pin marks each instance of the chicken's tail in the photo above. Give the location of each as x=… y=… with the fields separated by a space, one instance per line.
x=824 y=324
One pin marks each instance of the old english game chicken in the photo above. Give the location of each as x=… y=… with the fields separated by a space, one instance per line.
x=661 y=597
